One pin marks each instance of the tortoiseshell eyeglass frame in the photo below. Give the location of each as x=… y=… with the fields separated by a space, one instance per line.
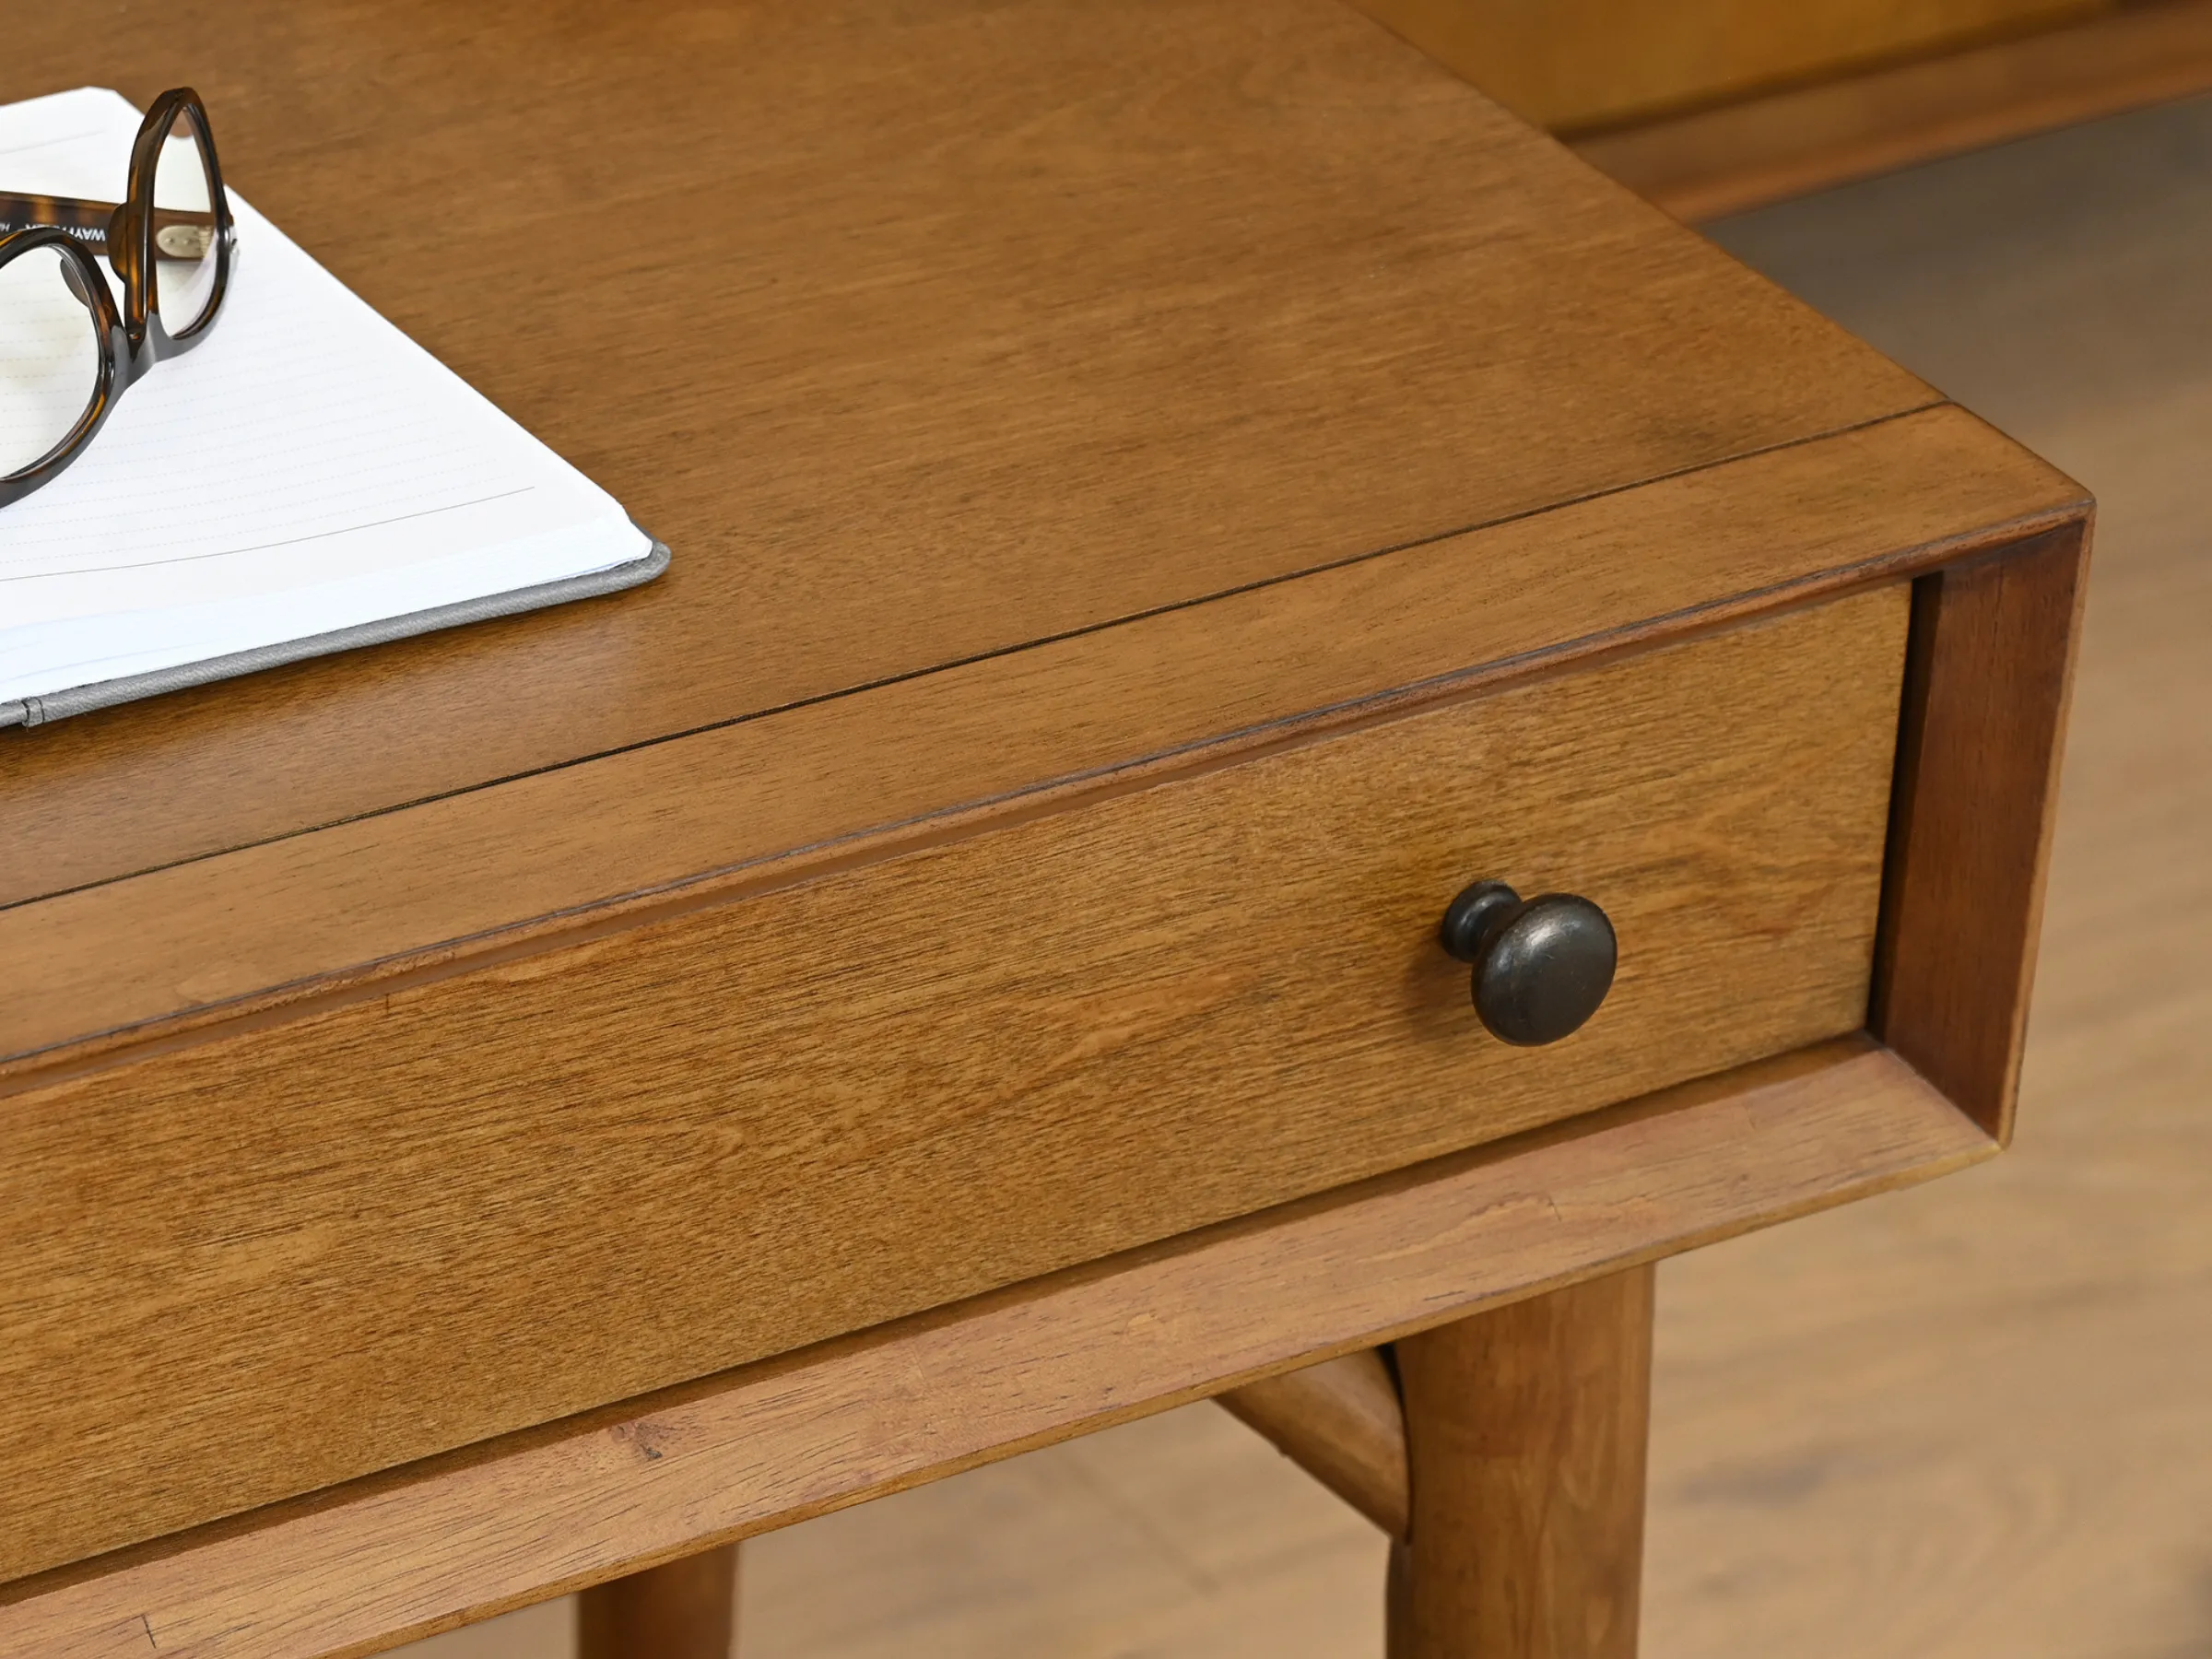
x=132 y=235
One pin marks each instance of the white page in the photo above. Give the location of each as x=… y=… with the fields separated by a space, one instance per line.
x=305 y=468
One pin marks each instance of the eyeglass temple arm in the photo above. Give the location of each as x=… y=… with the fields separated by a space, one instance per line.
x=178 y=233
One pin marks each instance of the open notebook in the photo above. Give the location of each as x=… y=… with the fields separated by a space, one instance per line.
x=308 y=479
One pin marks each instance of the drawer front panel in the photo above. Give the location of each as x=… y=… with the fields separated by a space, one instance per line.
x=509 y=1196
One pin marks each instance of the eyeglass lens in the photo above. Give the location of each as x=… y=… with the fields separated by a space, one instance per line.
x=183 y=229
x=49 y=356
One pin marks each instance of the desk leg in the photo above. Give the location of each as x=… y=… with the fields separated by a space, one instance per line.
x=685 y=1609
x=1525 y=1432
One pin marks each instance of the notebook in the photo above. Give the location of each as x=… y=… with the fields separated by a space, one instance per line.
x=307 y=479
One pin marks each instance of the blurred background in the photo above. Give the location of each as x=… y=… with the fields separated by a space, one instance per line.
x=1969 y=1421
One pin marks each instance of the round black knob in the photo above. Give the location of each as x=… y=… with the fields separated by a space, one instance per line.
x=1541 y=965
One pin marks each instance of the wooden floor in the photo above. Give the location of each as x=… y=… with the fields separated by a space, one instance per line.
x=1971 y=1421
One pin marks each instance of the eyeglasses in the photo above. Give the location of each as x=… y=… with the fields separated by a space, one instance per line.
x=65 y=352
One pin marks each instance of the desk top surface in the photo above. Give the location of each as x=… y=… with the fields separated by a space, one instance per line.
x=919 y=333
x=923 y=333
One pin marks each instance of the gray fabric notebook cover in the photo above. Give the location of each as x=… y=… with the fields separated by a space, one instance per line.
x=104 y=694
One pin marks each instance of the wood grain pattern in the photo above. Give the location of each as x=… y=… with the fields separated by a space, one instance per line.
x=1953 y=1424
x=1341 y=1422
x=424 y=889
x=1099 y=310
x=1525 y=1429
x=1985 y=711
x=363 y=1568
x=617 y=1165
x=1761 y=149
x=1097 y=315
x=1577 y=64
x=682 y=1609
x=1927 y=1380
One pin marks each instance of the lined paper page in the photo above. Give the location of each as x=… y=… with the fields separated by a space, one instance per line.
x=305 y=468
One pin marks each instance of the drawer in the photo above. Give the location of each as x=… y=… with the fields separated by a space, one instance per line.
x=500 y=1197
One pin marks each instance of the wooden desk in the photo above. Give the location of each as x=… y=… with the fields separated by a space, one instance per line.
x=1162 y=499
